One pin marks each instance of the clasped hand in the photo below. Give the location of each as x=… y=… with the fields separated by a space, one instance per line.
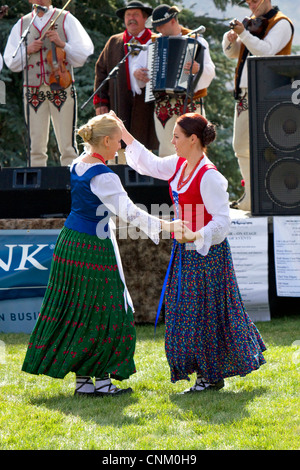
x=182 y=233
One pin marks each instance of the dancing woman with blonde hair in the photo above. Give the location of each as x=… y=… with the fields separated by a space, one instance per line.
x=86 y=322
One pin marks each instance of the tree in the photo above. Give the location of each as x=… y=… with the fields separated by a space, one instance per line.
x=99 y=19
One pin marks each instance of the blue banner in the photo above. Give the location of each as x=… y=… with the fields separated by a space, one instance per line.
x=25 y=260
x=19 y=315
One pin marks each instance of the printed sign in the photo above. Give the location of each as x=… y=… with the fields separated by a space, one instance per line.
x=287 y=256
x=248 y=240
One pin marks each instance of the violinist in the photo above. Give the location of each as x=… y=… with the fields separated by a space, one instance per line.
x=56 y=43
x=267 y=32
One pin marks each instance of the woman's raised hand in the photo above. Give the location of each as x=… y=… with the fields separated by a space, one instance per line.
x=126 y=136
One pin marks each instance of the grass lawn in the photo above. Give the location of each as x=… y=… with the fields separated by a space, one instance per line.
x=257 y=412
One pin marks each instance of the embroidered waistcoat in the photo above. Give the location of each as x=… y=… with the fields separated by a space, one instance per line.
x=191 y=206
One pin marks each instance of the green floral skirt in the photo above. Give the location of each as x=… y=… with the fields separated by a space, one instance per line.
x=83 y=325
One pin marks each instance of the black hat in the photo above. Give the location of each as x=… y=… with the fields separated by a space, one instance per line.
x=135 y=4
x=163 y=13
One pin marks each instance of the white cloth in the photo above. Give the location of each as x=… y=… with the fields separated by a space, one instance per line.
x=78 y=46
x=1 y=62
x=213 y=189
x=276 y=39
x=205 y=80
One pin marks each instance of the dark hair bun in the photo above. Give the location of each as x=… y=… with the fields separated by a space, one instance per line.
x=209 y=134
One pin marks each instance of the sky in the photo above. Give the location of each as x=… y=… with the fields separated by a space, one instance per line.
x=291 y=8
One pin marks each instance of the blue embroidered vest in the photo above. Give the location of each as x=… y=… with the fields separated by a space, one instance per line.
x=88 y=214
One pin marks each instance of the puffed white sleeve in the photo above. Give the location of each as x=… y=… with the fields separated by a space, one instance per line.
x=79 y=45
x=146 y=163
x=109 y=189
x=231 y=49
x=17 y=63
x=213 y=188
x=276 y=39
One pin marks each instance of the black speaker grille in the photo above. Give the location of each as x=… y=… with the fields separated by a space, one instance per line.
x=282 y=182
x=282 y=127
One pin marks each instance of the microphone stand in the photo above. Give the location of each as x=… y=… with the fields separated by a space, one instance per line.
x=24 y=39
x=112 y=74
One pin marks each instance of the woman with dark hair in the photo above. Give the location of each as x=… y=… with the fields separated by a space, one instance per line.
x=207 y=328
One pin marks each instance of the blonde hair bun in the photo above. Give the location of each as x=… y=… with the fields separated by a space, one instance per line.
x=86 y=132
x=97 y=128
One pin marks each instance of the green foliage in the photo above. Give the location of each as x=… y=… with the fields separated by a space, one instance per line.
x=100 y=21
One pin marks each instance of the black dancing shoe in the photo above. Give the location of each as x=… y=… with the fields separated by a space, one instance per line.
x=113 y=391
x=203 y=386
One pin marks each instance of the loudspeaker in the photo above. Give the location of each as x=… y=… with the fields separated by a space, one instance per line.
x=35 y=192
x=274 y=126
x=41 y=192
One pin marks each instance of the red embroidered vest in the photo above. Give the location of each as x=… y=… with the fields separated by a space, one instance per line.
x=191 y=206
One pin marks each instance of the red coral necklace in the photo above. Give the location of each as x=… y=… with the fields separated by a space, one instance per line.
x=181 y=181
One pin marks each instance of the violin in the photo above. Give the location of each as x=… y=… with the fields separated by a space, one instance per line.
x=256 y=26
x=60 y=78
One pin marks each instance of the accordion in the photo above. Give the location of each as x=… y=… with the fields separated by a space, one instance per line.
x=167 y=57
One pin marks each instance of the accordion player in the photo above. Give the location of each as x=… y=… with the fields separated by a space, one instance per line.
x=167 y=57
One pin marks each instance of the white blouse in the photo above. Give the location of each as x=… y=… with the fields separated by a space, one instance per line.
x=213 y=189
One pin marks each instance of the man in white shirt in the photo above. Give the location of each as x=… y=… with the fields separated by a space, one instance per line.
x=51 y=96
x=275 y=39
x=169 y=106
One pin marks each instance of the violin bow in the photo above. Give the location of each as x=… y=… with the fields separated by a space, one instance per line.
x=258 y=6
x=56 y=18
